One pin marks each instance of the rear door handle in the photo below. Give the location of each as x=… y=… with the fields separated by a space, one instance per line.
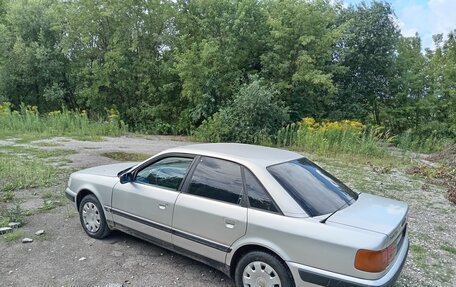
x=162 y=206
x=229 y=223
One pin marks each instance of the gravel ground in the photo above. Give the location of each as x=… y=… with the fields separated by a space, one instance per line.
x=66 y=256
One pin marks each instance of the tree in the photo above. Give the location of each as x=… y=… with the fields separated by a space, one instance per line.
x=440 y=105
x=368 y=50
x=219 y=45
x=410 y=87
x=121 y=55
x=299 y=59
x=32 y=70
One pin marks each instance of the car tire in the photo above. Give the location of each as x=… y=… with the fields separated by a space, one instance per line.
x=92 y=217
x=272 y=271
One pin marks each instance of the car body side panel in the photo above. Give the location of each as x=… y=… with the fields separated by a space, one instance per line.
x=144 y=207
x=309 y=242
x=305 y=276
x=207 y=226
x=100 y=186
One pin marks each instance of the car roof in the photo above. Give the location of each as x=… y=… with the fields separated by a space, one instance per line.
x=243 y=153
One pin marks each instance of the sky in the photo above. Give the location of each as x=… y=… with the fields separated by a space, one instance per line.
x=427 y=17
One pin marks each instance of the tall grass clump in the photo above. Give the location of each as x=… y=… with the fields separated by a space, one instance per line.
x=409 y=140
x=331 y=137
x=27 y=120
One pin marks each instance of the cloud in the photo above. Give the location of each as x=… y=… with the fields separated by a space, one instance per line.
x=443 y=15
x=426 y=18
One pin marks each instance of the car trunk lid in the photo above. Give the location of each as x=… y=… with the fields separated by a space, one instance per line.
x=374 y=213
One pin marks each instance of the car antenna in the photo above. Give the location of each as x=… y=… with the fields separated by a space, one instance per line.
x=332 y=213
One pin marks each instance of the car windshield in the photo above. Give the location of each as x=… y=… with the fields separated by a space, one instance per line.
x=317 y=191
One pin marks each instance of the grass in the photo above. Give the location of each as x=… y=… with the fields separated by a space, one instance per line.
x=14 y=214
x=7 y=196
x=47 y=195
x=22 y=171
x=449 y=248
x=419 y=255
x=126 y=156
x=25 y=167
x=48 y=144
x=13 y=236
x=51 y=200
x=28 y=122
x=35 y=152
x=424 y=144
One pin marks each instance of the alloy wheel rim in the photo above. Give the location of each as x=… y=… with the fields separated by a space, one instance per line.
x=260 y=274
x=91 y=217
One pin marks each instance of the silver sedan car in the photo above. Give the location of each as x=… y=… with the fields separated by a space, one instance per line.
x=263 y=216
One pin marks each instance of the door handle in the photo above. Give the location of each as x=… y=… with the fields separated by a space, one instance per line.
x=229 y=223
x=162 y=206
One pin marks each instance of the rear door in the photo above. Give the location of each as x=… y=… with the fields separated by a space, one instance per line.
x=210 y=215
x=146 y=204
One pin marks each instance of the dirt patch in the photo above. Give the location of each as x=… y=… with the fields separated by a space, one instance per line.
x=447 y=156
x=91 y=153
x=452 y=194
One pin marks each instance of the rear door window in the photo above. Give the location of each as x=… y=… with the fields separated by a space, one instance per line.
x=217 y=179
x=258 y=197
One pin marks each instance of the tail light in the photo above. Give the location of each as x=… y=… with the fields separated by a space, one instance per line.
x=374 y=261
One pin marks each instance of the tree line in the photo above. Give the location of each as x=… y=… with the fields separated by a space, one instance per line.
x=169 y=66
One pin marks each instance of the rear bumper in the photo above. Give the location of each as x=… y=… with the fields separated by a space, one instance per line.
x=309 y=276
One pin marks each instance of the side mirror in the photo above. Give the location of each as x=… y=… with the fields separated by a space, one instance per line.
x=126 y=177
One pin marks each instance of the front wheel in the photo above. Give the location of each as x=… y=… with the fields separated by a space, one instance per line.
x=259 y=268
x=92 y=217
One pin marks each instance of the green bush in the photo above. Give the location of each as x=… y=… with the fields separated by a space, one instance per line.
x=254 y=114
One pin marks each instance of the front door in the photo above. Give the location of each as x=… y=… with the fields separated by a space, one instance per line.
x=146 y=204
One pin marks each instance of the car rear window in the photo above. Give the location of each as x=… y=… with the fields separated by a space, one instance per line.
x=317 y=191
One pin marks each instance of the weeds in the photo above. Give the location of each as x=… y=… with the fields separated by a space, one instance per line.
x=7 y=196
x=326 y=138
x=440 y=174
x=28 y=120
x=409 y=141
x=15 y=214
x=23 y=172
x=36 y=152
x=13 y=236
x=23 y=167
x=419 y=255
x=49 y=204
x=449 y=248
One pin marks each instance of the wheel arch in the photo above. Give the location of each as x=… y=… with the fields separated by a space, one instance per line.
x=241 y=251
x=83 y=192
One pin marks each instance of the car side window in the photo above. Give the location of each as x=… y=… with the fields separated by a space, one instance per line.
x=217 y=179
x=258 y=197
x=168 y=172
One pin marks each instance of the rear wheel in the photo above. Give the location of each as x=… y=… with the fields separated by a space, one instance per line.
x=92 y=217
x=261 y=269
